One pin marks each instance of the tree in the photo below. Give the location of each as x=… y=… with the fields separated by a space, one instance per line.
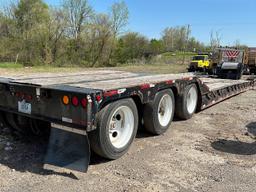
x=168 y=37
x=176 y=38
x=31 y=13
x=74 y=34
x=101 y=40
x=31 y=17
x=103 y=32
x=7 y=37
x=195 y=45
x=131 y=46
x=78 y=13
x=119 y=17
x=156 y=47
x=215 y=40
x=56 y=26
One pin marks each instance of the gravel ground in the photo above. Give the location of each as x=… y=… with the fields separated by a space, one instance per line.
x=214 y=151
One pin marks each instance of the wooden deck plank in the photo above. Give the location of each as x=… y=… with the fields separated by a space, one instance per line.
x=110 y=79
x=102 y=79
x=129 y=82
x=74 y=79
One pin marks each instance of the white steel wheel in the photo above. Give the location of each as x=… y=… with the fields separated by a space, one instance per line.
x=158 y=114
x=186 y=104
x=121 y=127
x=192 y=98
x=165 y=110
x=117 y=125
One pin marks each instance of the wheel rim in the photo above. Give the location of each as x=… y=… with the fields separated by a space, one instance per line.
x=192 y=100
x=165 y=110
x=121 y=127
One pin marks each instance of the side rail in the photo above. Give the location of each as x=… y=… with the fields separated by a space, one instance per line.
x=219 y=95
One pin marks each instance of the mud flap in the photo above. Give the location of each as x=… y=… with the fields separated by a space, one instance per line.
x=68 y=148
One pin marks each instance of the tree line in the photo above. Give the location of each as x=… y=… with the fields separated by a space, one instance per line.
x=32 y=33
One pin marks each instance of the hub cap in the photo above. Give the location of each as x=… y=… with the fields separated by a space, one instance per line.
x=121 y=127
x=165 y=110
x=192 y=100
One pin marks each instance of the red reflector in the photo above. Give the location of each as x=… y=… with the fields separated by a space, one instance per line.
x=98 y=98
x=28 y=97
x=169 y=82
x=145 y=86
x=75 y=101
x=110 y=93
x=84 y=102
x=18 y=94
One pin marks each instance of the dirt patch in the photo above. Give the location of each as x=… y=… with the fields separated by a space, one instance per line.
x=213 y=151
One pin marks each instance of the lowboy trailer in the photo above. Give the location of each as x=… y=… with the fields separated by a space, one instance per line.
x=102 y=110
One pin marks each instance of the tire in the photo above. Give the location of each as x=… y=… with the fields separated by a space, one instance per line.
x=114 y=143
x=186 y=104
x=3 y=123
x=238 y=76
x=40 y=128
x=191 y=70
x=156 y=119
x=19 y=124
x=2 y=120
x=24 y=126
x=240 y=71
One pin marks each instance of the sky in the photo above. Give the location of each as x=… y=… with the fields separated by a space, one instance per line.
x=232 y=19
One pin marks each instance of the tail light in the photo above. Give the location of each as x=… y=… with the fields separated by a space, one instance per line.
x=84 y=102
x=28 y=97
x=75 y=101
x=21 y=95
x=18 y=94
x=98 y=98
x=65 y=99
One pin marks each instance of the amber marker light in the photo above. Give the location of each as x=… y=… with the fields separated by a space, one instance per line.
x=65 y=99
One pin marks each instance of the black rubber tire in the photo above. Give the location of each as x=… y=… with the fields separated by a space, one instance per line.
x=40 y=128
x=3 y=123
x=150 y=114
x=238 y=76
x=181 y=105
x=191 y=70
x=99 y=138
x=24 y=126
x=19 y=124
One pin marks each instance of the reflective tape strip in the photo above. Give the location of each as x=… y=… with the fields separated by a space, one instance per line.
x=69 y=129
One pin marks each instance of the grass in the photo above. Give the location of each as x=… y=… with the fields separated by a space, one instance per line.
x=169 y=62
x=10 y=65
x=154 y=68
x=178 y=54
x=136 y=68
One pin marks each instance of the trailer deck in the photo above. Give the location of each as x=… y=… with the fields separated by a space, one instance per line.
x=109 y=80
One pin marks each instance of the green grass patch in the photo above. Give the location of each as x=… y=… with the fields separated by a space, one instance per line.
x=10 y=65
x=154 y=68
x=178 y=54
x=136 y=68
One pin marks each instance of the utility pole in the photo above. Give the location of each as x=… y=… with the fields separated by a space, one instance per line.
x=186 y=43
